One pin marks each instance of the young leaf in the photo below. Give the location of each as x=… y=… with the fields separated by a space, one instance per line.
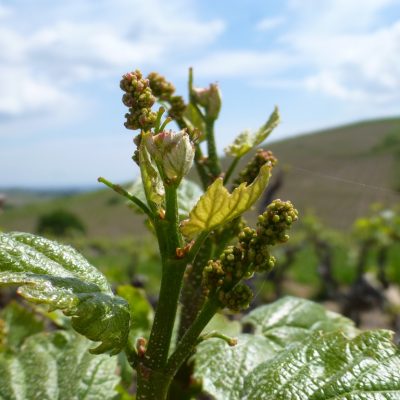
x=217 y=206
x=152 y=183
x=194 y=120
x=247 y=141
x=330 y=367
x=188 y=194
x=57 y=366
x=57 y=275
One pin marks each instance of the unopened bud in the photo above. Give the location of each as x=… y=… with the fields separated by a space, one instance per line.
x=210 y=99
x=172 y=151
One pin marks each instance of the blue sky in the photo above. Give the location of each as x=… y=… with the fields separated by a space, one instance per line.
x=61 y=119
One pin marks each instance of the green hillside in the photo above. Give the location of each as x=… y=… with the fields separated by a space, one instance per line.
x=102 y=212
x=337 y=173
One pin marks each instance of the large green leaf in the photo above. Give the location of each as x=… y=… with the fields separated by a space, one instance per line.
x=328 y=367
x=217 y=206
x=292 y=319
x=278 y=325
x=19 y=323
x=49 y=273
x=222 y=368
x=247 y=141
x=57 y=366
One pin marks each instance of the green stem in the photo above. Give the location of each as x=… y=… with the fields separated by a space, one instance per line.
x=213 y=160
x=199 y=162
x=231 y=169
x=169 y=238
x=193 y=296
x=120 y=190
x=152 y=385
x=190 y=339
x=215 y=334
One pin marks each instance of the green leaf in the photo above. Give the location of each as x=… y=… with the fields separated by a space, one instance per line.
x=330 y=367
x=141 y=311
x=19 y=323
x=188 y=194
x=57 y=275
x=292 y=319
x=222 y=368
x=222 y=324
x=152 y=183
x=57 y=366
x=247 y=141
x=277 y=325
x=217 y=206
x=194 y=120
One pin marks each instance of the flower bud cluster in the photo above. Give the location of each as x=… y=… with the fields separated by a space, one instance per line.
x=251 y=254
x=250 y=172
x=177 y=107
x=213 y=275
x=160 y=87
x=273 y=224
x=164 y=90
x=237 y=299
x=139 y=98
x=256 y=250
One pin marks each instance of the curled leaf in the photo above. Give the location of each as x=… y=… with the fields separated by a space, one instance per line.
x=57 y=275
x=152 y=183
x=217 y=206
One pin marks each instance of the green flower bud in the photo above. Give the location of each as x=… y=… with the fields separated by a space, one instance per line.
x=213 y=275
x=275 y=221
x=210 y=99
x=237 y=299
x=232 y=261
x=172 y=151
x=250 y=172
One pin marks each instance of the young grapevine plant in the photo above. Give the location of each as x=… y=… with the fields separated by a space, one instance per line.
x=295 y=349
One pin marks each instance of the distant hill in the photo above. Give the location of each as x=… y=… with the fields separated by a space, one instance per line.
x=337 y=173
x=103 y=213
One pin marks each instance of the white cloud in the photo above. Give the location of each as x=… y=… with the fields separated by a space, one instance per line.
x=43 y=59
x=361 y=67
x=337 y=48
x=270 y=23
x=242 y=63
x=20 y=94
